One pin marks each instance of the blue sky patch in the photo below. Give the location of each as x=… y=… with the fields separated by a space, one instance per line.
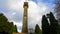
x=35 y=1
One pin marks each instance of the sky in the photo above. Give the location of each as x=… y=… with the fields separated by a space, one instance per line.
x=13 y=10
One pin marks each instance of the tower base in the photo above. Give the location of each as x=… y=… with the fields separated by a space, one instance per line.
x=24 y=33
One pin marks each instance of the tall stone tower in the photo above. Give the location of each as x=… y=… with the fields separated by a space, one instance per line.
x=25 y=19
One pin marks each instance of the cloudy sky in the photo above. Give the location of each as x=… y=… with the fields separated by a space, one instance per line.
x=13 y=10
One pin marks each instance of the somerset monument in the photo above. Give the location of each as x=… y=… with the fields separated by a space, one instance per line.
x=25 y=19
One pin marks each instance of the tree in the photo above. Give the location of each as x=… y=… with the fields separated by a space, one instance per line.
x=3 y=23
x=58 y=30
x=14 y=28
x=53 y=23
x=37 y=30
x=6 y=26
x=45 y=25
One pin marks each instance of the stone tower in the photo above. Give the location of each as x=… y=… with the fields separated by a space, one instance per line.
x=25 y=19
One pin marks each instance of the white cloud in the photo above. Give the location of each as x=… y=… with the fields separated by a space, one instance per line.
x=15 y=4
x=18 y=24
x=35 y=13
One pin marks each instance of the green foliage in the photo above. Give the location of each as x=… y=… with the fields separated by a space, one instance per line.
x=45 y=25
x=58 y=30
x=14 y=28
x=53 y=27
x=53 y=24
x=6 y=26
x=37 y=30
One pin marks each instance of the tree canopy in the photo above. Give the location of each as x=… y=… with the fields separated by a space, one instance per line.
x=37 y=29
x=6 y=26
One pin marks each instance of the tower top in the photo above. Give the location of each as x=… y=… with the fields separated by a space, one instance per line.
x=25 y=4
